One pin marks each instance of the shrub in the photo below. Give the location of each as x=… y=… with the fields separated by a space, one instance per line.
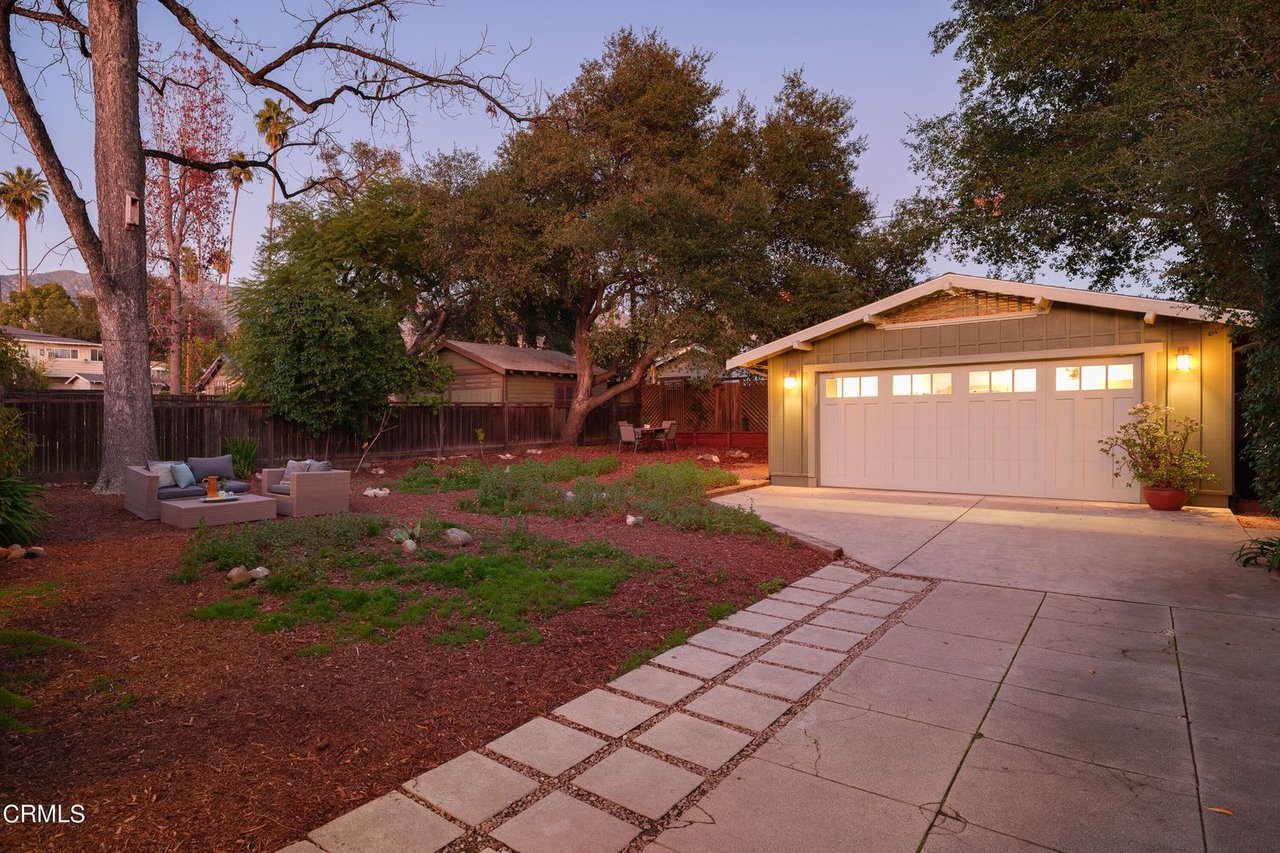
x=516 y=490
x=244 y=453
x=1154 y=450
x=20 y=513
x=16 y=444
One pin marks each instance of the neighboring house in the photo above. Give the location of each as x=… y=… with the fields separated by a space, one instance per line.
x=970 y=384
x=497 y=373
x=218 y=378
x=71 y=364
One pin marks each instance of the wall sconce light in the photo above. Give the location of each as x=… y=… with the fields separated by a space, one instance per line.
x=791 y=380
x=1183 y=359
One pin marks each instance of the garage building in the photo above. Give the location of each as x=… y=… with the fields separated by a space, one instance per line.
x=977 y=385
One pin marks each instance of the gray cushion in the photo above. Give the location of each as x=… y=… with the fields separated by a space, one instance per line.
x=163 y=470
x=236 y=487
x=211 y=466
x=320 y=466
x=279 y=489
x=168 y=493
x=293 y=466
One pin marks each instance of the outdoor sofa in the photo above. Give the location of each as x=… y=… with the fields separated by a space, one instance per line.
x=143 y=492
x=316 y=489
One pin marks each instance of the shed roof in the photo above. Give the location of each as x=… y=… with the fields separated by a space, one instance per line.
x=1147 y=306
x=508 y=359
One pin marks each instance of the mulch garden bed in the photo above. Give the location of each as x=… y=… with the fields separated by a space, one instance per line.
x=176 y=734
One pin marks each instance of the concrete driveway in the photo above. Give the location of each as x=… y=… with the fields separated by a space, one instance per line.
x=1103 y=550
x=1118 y=672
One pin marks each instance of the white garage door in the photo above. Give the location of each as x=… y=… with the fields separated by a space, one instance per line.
x=1021 y=428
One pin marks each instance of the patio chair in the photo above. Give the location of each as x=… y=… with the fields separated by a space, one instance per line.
x=307 y=493
x=668 y=435
x=627 y=435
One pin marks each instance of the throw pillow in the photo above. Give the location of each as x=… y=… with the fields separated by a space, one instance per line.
x=320 y=466
x=212 y=466
x=182 y=476
x=294 y=467
x=165 y=472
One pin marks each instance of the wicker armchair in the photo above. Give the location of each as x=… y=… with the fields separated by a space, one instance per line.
x=309 y=492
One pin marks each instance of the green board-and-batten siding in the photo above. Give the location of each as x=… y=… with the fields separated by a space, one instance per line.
x=1204 y=393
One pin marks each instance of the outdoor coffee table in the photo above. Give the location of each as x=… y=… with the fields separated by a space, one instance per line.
x=189 y=512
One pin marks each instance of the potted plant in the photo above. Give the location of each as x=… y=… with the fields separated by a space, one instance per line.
x=1153 y=449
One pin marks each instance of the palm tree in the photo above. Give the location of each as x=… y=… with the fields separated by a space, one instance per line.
x=22 y=193
x=237 y=175
x=274 y=121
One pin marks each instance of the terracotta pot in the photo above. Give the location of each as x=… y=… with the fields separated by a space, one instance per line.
x=1167 y=500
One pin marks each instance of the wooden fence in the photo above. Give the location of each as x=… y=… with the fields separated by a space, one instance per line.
x=68 y=430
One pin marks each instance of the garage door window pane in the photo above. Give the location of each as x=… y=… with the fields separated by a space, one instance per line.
x=921 y=384
x=1067 y=379
x=870 y=386
x=902 y=385
x=849 y=386
x=1002 y=382
x=831 y=388
x=1024 y=380
x=942 y=383
x=1119 y=375
x=1093 y=377
x=979 y=381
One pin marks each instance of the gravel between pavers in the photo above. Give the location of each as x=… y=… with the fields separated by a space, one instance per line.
x=477 y=838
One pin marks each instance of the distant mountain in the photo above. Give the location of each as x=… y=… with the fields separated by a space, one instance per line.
x=74 y=282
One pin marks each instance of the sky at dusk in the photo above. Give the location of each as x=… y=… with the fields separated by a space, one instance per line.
x=877 y=53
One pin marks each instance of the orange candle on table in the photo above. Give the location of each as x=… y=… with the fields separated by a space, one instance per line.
x=211 y=486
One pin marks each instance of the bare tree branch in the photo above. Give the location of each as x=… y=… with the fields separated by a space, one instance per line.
x=221 y=165
x=23 y=107
x=378 y=77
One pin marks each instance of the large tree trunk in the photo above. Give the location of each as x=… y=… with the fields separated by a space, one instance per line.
x=584 y=402
x=128 y=421
x=22 y=254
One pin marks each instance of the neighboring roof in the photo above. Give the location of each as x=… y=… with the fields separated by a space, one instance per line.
x=1148 y=307
x=41 y=337
x=509 y=359
x=210 y=373
x=91 y=378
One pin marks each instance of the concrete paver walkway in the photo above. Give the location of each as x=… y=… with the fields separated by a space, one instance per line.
x=1080 y=677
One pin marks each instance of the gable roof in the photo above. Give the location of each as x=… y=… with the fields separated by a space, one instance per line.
x=1040 y=294
x=42 y=338
x=508 y=359
x=91 y=378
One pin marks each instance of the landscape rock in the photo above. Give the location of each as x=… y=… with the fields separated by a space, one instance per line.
x=239 y=575
x=533 y=451
x=635 y=520
x=408 y=546
x=379 y=471
x=457 y=536
x=36 y=552
x=259 y=573
x=17 y=552
x=371 y=492
x=506 y=456
x=737 y=454
x=708 y=457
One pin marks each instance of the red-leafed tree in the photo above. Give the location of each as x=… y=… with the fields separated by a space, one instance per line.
x=186 y=206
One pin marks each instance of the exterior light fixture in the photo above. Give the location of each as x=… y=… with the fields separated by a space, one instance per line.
x=791 y=380
x=1183 y=360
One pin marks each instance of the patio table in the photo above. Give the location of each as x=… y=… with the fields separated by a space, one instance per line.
x=189 y=512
